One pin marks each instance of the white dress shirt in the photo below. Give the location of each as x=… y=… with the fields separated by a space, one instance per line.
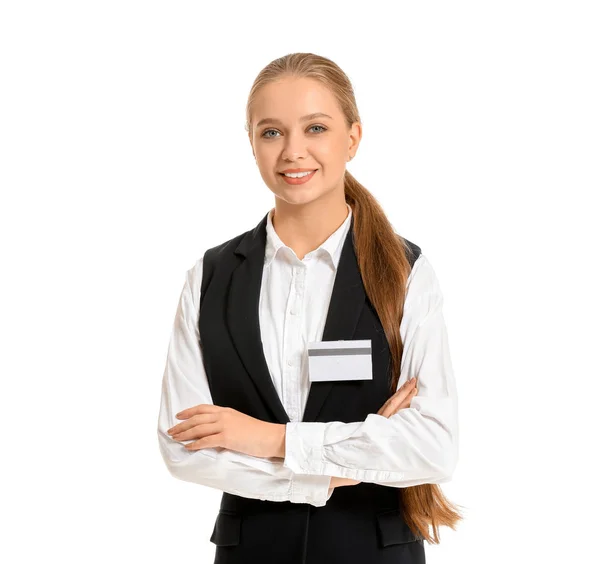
x=417 y=445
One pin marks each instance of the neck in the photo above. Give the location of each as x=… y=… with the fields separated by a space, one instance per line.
x=304 y=228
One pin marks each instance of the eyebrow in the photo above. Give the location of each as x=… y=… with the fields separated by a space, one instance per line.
x=303 y=118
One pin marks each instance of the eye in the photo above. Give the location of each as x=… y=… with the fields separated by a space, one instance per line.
x=264 y=134
x=268 y=136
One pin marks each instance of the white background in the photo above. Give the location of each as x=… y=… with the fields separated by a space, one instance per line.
x=123 y=157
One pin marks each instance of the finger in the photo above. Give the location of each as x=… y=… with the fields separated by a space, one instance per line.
x=405 y=388
x=406 y=403
x=385 y=405
x=180 y=427
x=212 y=441
x=410 y=395
x=191 y=423
x=390 y=406
x=186 y=412
x=395 y=407
x=199 y=432
x=400 y=393
x=202 y=408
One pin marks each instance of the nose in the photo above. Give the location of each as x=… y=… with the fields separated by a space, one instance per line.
x=294 y=148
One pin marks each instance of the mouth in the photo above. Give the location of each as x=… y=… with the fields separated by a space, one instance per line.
x=300 y=179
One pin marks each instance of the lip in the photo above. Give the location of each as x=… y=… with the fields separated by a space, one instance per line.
x=302 y=180
x=297 y=170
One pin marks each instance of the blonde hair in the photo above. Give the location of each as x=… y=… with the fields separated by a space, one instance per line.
x=383 y=265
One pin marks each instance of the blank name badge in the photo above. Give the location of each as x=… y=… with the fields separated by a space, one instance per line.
x=330 y=361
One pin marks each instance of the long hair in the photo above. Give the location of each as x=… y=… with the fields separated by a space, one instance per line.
x=383 y=265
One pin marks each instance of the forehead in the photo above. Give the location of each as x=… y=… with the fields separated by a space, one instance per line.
x=289 y=99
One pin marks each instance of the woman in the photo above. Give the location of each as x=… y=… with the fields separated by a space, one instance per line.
x=287 y=377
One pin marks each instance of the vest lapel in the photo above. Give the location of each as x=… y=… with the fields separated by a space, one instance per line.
x=345 y=306
x=242 y=316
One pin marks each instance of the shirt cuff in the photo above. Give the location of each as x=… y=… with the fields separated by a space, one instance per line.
x=310 y=489
x=304 y=447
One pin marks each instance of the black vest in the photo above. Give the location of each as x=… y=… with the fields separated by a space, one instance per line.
x=359 y=524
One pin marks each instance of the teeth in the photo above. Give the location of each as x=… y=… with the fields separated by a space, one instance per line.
x=297 y=174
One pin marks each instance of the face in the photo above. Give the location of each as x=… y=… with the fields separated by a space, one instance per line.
x=287 y=141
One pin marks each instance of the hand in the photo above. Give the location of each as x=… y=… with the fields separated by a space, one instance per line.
x=400 y=400
x=212 y=426
x=336 y=482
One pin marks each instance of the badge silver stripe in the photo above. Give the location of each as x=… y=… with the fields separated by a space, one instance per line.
x=339 y=352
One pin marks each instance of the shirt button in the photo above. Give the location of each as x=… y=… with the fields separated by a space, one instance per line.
x=289 y=363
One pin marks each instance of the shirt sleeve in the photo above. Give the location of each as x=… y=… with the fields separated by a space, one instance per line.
x=417 y=445
x=184 y=385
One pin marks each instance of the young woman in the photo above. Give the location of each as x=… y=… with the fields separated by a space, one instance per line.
x=296 y=350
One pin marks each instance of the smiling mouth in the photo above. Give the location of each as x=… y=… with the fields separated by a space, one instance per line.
x=309 y=172
x=298 y=180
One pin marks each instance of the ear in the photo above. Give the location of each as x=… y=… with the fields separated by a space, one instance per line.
x=355 y=137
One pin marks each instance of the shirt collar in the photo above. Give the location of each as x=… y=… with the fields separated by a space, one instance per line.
x=332 y=246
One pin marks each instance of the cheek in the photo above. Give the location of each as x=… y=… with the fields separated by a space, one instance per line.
x=264 y=161
x=332 y=151
x=268 y=156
